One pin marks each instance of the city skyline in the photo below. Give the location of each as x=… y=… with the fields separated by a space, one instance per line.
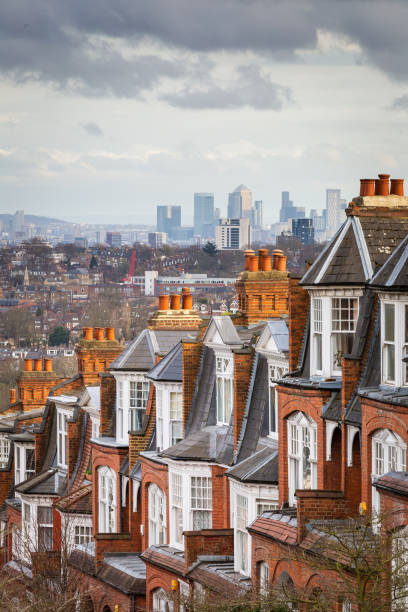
x=121 y=106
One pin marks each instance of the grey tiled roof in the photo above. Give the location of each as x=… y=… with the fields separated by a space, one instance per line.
x=393 y=274
x=280 y=333
x=226 y=329
x=140 y=354
x=51 y=482
x=203 y=405
x=170 y=367
x=211 y=443
x=332 y=410
x=261 y=467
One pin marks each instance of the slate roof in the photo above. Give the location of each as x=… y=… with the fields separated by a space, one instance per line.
x=78 y=502
x=276 y=525
x=393 y=274
x=226 y=329
x=332 y=410
x=395 y=482
x=261 y=467
x=357 y=251
x=51 y=482
x=212 y=443
x=280 y=333
x=140 y=354
x=170 y=367
x=219 y=576
x=124 y=571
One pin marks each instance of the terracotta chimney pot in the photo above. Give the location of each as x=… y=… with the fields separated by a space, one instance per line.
x=397 y=187
x=175 y=302
x=382 y=185
x=110 y=333
x=267 y=264
x=88 y=333
x=282 y=263
x=13 y=396
x=28 y=365
x=247 y=254
x=163 y=302
x=367 y=187
x=37 y=365
x=187 y=299
x=99 y=333
x=253 y=263
x=277 y=254
x=48 y=365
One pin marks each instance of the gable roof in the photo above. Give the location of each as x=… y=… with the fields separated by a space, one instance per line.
x=357 y=251
x=170 y=367
x=225 y=328
x=393 y=274
x=261 y=467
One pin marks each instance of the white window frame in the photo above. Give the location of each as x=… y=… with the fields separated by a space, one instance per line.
x=138 y=400
x=107 y=500
x=242 y=536
x=184 y=505
x=157 y=516
x=46 y=526
x=82 y=534
x=301 y=434
x=324 y=327
x=132 y=396
x=62 y=437
x=264 y=578
x=121 y=435
x=224 y=373
x=389 y=454
x=161 y=601
x=275 y=372
x=21 y=473
x=169 y=414
x=72 y=525
x=4 y=451
x=398 y=345
x=95 y=425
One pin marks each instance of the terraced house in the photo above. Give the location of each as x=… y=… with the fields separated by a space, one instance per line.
x=222 y=456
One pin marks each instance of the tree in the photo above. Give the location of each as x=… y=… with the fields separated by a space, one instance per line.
x=94 y=262
x=58 y=336
x=18 y=324
x=210 y=249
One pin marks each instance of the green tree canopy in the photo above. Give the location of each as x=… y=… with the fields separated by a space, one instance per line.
x=59 y=335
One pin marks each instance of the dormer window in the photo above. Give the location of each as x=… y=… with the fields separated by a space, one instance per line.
x=4 y=451
x=23 y=462
x=138 y=398
x=225 y=388
x=333 y=324
x=394 y=333
x=131 y=403
x=274 y=374
x=62 y=437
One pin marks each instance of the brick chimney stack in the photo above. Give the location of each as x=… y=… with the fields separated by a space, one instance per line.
x=175 y=312
x=381 y=197
x=95 y=352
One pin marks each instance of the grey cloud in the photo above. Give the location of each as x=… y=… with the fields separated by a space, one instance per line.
x=400 y=103
x=57 y=42
x=92 y=129
x=250 y=89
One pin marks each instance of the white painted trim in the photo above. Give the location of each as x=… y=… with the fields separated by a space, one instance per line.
x=334 y=250
x=397 y=269
x=362 y=247
x=330 y=427
x=136 y=487
x=351 y=432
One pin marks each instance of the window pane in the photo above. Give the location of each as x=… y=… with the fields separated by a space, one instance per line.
x=220 y=402
x=318 y=351
x=389 y=322
x=390 y=362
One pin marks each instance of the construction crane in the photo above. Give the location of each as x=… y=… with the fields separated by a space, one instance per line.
x=131 y=271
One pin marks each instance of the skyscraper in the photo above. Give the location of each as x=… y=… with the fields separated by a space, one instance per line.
x=240 y=203
x=168 y=219
x=204 y=215
x=257 y=214
x=304 y=230
x=288 y=210
x=333 y=210
x=233 y=234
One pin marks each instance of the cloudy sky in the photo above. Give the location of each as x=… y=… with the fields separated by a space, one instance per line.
x=110 y=107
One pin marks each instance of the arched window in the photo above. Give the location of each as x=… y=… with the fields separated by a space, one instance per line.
x=264 y=578
x=161 y=601
x=157 y=516
x=107 y=500
x=388 y=455
x=302 y=451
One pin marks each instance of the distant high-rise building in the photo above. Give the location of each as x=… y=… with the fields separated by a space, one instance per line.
x=304 y=230
x=257 y=214
x=333 y=211
x=18 y=221
x=168 y=219
x=233 y=234
x=288 y=210
x=157 y=239
x=114 y=239
x=204 y=215
x=240 y=203
x=217 y=213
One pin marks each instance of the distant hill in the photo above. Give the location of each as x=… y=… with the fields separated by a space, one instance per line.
x=35 y=219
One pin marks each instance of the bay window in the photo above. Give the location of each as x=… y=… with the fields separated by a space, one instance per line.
x=302 y=454
x=82 y=534
x=333 y=324
x=274 y=373
x=23 y=462
x=176 y=412
x=394 y=333
x=138 y=398
x=191 y=501
x=388 y=455
x=120 y=410
x=27 y=543
x=177 y=508
x=4 y=451
x=44 y=525
x=225 y=389
x=107 y=500
x=201 y=502
x=169 y=414
x=157 y=516
x=241 y=532
x=62 y=438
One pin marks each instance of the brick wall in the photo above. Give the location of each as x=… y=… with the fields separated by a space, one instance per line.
x=298 y=311
x=319 y=505
x=108 y=399
x=243 y=360
x=152 y=473
x=110 y=543
x=191 y=361
x=351 y=372
x=261 y=295
x=207 y=542
x=220 y=497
